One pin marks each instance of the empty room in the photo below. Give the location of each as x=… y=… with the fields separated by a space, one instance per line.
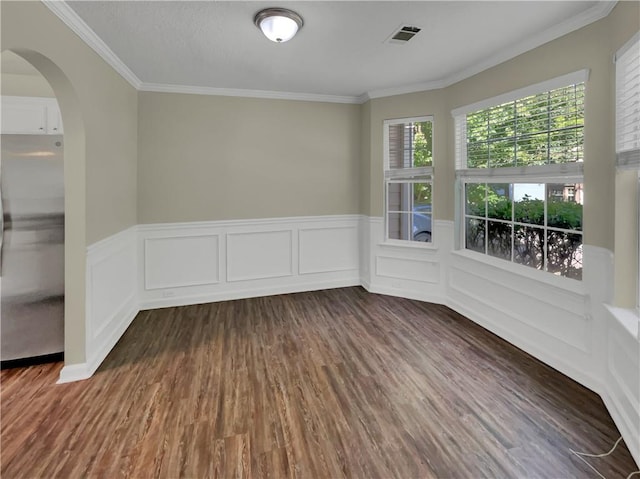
x=320 y=239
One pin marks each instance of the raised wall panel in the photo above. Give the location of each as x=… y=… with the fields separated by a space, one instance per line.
x=522 y=301
x=323 y=250
x=112 y=286
x=409 y=269
x=181 y=261
x=259 y=255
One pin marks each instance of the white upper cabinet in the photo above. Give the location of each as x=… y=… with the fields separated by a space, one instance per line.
x=30 y=116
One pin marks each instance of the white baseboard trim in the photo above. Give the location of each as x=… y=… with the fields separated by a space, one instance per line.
x=78 y=372
x=525 y=345
x=246 y=293
x=74 y=372
x=631 y=437
x=399 y=293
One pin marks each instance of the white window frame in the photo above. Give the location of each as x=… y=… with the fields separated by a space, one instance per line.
x=405 y=175
x=548 y=174
x=628 y=119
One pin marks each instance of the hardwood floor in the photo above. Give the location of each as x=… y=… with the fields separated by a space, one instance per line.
x=329 y=384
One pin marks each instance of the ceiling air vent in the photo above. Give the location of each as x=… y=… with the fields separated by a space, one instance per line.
x=403 y=34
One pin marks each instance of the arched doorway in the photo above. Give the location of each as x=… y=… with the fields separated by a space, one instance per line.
x=74 y=203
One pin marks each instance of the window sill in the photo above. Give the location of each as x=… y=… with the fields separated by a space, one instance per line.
x=408 y=244
x=567 y=284
x=628 y=318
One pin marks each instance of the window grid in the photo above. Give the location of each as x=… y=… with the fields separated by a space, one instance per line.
x=486 y=219
x=408 y=183
x=525 y=137
x=574 y=107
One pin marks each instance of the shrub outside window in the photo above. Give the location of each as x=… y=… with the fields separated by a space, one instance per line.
x=519 y=161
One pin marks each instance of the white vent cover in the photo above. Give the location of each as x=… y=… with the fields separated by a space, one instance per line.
x=403 y=34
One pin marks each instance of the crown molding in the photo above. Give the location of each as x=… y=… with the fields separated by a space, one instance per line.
x=595 y=13
x=267 y=94
x=77 y=25
x=71 y=19
x=401 y=90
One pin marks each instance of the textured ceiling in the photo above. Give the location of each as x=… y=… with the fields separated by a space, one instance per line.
x=341 y=49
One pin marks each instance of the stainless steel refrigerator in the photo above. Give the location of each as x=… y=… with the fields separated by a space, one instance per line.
x=32 y=250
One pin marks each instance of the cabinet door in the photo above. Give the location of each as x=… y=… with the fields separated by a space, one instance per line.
x=24 y=118
x=54 y=120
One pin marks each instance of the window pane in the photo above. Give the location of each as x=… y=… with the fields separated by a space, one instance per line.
x=535 y=130
x=564 y=206
x=474 y=234
x=477 y=124
x=564 y=254
x=475 y=196
x=532 y=150
x=399 y=226
x=410 y=145
x=499 y=201
x=533 y=113
x=422 y=196
x=398 y=197
x=409 y=226
x=501 y=154
x=502 y=121
x=421 y=226
x=422 y=144
x=528 y=246
x=529 y=203
x=499 y=239
x=565 y=146
x=477 y=155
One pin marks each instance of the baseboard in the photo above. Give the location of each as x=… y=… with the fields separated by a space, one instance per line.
x=247 y=293
x=631 y=437
x=400 y=293
x=523 y=344
x=74 y=372
x=78 y=372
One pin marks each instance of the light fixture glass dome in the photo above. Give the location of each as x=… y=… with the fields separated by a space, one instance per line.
x=278 y=24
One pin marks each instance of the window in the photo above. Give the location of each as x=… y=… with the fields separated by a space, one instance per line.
x=519 y=160
x=628 y=160
x=628 y=104
x=408 y=148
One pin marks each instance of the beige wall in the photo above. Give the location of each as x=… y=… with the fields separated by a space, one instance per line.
x=404 y=106
x=589 y=47
x=99 y=111
x=25 y=85
x=109 y=109
x=218 y=158
x=365 y=159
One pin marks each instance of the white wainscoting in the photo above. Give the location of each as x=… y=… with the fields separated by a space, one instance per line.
x=529 y=310
x=561 y=322
x=622 y=377
x=415 y=270
x=188 y=263
x=111 y=300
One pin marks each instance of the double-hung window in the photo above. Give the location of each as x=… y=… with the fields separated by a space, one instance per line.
x=408 y=163
x=519 y=163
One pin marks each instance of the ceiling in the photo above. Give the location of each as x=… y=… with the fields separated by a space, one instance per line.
x=341 y=51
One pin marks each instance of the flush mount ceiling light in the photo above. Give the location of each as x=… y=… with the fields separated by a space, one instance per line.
x=278 y=24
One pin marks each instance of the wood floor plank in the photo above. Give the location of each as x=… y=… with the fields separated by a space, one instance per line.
x=326 y=384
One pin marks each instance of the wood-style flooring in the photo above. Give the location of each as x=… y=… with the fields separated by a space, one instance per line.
x=328 y=384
